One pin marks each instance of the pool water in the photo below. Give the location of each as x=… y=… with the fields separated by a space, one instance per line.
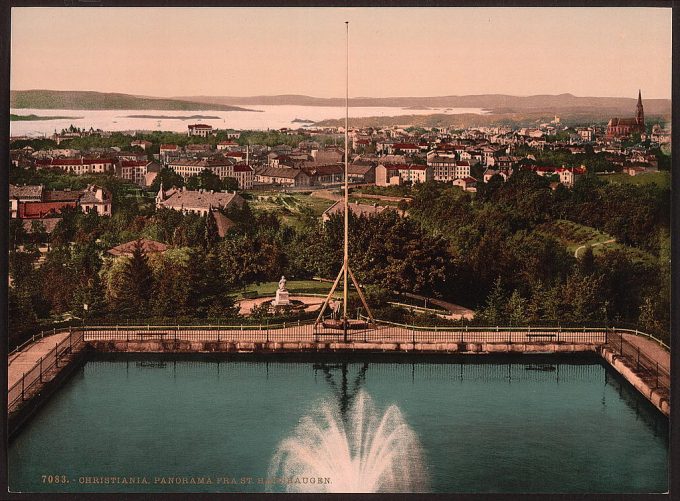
x=484 y=424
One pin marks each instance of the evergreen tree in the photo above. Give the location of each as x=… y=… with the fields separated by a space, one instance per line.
x=210 y=231
x=516 y=309
x=494 y=310
x=134 y=297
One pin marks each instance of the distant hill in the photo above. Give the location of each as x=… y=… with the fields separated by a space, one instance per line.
x=495 y=103
x=89 y=100
x=517 y=119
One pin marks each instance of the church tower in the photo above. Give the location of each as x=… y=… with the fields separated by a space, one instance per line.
x=640 y=114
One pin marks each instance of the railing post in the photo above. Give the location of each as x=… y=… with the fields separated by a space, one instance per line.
x=41 y=372
x=56 y=355
x=657 y=374
x=22 y=386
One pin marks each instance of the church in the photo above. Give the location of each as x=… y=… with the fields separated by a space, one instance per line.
x=620 y=127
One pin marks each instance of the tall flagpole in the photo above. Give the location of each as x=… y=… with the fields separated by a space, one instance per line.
x=346 y=259
x=345 y=271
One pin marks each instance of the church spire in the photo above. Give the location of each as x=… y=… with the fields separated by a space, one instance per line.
x=640 y=114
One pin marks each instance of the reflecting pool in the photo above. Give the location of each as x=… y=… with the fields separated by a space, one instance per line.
x=375 y=423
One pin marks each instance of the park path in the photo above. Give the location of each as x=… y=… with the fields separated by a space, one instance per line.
x=23 y=361
x=326 y=194
x=612 y=240
x=456 y=312
x=311 y=303
x=331 y=195
x=651 y=349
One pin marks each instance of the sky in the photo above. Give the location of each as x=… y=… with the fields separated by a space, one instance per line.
x=393 y=51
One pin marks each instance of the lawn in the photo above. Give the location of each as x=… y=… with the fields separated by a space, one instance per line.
x=371 y=201
x=662 y=179
x=293 y=286
x=289 y=206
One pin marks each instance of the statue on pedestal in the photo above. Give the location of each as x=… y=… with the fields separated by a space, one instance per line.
x=282 y=298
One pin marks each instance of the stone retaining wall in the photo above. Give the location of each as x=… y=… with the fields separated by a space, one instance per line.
x=619 y=364
x=185 y=346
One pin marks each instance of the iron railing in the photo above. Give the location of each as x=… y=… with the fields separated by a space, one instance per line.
x=654 y=374
x=387 y=332
x=307 y=331
x=29 y=382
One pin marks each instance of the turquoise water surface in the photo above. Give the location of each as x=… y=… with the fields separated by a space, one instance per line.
x=515 y=424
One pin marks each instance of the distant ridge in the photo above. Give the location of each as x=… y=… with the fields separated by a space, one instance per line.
x=90 y=100
x=495 y=103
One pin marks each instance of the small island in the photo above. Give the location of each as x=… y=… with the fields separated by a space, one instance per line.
x=302 y=121
x=176 y=117
x=18 y=118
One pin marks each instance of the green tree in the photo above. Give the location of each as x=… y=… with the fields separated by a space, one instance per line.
x=229 y=184
x=210 y=233
x=516 y=309
x=135 y=284
x=494 y=310
x=169 y=178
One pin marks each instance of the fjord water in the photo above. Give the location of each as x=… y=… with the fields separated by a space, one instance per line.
x=470 y=424
x=265 y=117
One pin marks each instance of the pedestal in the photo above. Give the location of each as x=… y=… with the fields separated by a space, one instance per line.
x=281 y=298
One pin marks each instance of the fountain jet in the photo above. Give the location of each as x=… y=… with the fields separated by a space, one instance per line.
x=368 y=452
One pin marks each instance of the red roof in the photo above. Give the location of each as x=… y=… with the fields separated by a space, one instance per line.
x=130 y=163
x=405 y=146
x=97 y=161
x=67 y=161
x=32 y=210
x=200 y=126
x=405 y=167
x=242 y=168
x=169 y=147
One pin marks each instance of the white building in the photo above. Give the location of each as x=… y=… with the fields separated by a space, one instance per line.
x=395 y=174
x=202 y=130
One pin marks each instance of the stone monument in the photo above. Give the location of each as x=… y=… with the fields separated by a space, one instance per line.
x=282 y=298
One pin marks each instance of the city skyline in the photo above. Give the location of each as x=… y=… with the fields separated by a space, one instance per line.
x=408 y=52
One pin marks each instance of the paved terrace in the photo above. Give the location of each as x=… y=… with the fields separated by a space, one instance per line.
x=23 y=361
x=646 y=363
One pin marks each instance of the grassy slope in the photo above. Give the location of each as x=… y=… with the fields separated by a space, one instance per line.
x=573 y=235
x=662 y=179
x=289 y=206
